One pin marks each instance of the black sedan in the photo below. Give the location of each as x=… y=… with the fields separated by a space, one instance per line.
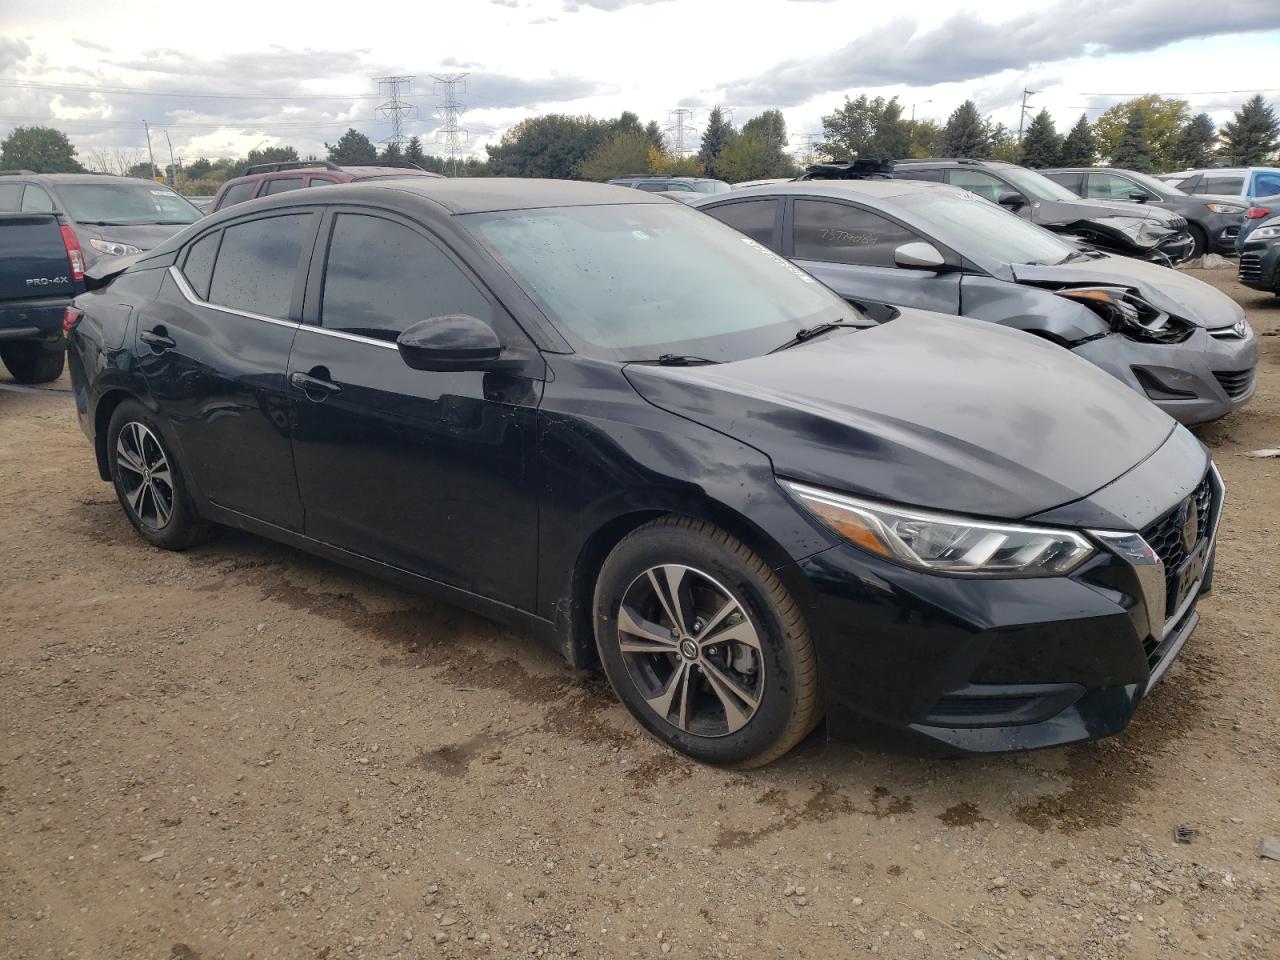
x=1213 y=222
x=628 y=429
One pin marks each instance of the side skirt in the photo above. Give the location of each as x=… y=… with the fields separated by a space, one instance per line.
x=502 y=613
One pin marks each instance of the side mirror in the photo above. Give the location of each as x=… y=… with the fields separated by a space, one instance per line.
x=455 y=341
x=919 y=255
x=1139 y=196
x=1012 y=199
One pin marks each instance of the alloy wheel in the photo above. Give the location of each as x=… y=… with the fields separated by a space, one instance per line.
x=692 y=651
x=145 y=475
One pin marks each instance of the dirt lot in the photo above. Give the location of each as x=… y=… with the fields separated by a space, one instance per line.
x=244 y=752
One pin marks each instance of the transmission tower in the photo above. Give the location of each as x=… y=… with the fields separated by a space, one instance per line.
x=453 y=137
x=679 y=128
x=395 y=108
x=808 y=145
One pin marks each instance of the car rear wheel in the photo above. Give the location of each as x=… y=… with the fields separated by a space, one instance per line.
x=149 y=482
x=32 y=362
x=704 y=645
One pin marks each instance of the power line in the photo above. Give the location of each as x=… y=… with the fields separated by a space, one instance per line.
x=450 y=112
x=394 y=108
x=142 y=91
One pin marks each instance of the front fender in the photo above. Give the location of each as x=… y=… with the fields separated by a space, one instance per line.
x=1029 y=308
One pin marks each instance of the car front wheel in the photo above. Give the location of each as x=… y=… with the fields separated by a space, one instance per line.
x=704 y=645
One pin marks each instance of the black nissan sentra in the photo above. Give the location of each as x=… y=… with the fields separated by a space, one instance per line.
x=632 y=431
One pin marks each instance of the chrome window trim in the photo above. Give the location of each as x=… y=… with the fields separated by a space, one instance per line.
x=185 y=289
x=355 y=337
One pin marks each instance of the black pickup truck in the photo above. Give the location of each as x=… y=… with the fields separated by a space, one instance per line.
x=41 y=270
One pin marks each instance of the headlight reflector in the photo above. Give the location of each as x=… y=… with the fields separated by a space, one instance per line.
x=1130 y=314
x=944 y=543
x=1224 y=208
x=1264 y=233
x=114 y=248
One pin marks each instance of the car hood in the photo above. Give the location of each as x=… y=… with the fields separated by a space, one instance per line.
x=1111 y=223
x=930 y=410
x=1170 y=290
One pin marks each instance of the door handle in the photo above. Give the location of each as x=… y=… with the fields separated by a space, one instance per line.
x=157 y=339
x=313 y=385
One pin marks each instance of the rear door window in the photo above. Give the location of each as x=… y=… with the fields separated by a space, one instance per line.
x=1231 y=186
x=283 y=185
x=238 y=193
x=840 y=233
x=1070 y=180
x=911 y=172
x=755 y=218
x=1109 y=186
x=1265 y=183
x=370 y=290
x=257 y=265
x=198 y=267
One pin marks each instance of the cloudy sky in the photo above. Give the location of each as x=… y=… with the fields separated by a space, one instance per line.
x=235 y=76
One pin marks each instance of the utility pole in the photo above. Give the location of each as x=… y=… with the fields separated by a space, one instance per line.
x=151 y=156
x=451 y=135
x=394 y=108
x=173 y=166
x=1022 y=114
x=681 y=119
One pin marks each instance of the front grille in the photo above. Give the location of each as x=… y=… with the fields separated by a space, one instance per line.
x=1250 y=267
x=1236 y=383
x=1164 y=536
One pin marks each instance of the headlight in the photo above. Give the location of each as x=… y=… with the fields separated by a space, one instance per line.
x=1223 y=208
x=939 y=543
x=1128 y=313
x=1263 y=233
x=113 y=248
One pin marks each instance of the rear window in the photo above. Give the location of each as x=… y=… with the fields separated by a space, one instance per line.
x=257 y=265
x=283 y=185
x=755 y=218
x=237 y=193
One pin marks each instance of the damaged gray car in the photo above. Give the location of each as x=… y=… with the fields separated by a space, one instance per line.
x=883 y=244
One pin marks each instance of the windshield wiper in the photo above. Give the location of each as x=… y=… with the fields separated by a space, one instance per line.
x=678 y=360
x=808 y=333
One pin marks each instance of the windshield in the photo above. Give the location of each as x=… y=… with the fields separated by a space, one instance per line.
x=1158 y=187
x=1036 y=185
x=711 y=186
x=979 y=227
x=125 y=203
x=636 y=281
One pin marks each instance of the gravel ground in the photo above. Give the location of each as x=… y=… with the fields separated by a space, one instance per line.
x=245 y=752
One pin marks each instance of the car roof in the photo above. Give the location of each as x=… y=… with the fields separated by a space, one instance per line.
x=487 y=194
x=885 y=189
x=90 y=178
x=959 y=161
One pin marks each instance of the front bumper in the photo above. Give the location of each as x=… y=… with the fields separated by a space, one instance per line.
x=945 y=665
x=1177 y=248
x=1199 y=380
x=1260 y=266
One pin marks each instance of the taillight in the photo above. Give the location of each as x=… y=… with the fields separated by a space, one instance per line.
x=74 y=254
x=1257 y=213
x=70 y=317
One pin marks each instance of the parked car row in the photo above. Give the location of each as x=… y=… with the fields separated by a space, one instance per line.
x=658 y=443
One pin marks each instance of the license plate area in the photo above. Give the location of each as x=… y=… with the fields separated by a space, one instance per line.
x=1189 y=576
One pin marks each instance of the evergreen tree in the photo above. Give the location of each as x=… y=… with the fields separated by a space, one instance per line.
x=967 y=134
x=1041 y=145
x=1162 y=118
x=353 y=147
x=413 y=151
x=1079 y=148
x=653 y=134
x=1133 y=152
x=1194 y=145
x=714 y=137
x=1250 y=137
x=391 y=151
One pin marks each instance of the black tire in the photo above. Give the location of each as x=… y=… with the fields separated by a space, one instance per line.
x=1199 y=242
x=33 y=362
x=774 y=671
x=163 y=514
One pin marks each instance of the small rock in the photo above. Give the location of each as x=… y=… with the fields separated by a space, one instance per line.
x=1265 y=454
x=408 y=935
x=857 y=901
x=1270 y=848
x=660 y=835
x=152 y=856
x=666 y=947
x=999 y=883
x=442 y=937
x=918 y=933
x=448 y=920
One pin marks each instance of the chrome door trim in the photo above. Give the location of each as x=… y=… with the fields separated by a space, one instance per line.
x=355 y=337
x=185 y=289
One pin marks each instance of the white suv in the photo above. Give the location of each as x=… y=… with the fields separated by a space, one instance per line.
x=1243 y=182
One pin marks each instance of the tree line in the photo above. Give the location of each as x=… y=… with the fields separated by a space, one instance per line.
x=1149 y=133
